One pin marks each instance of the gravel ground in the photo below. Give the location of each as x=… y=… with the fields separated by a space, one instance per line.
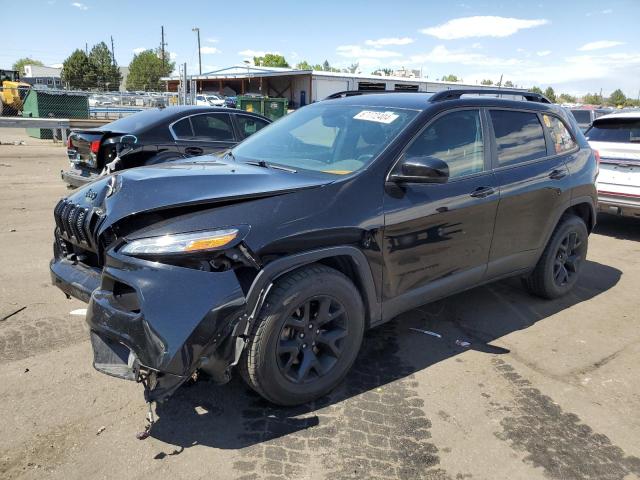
x=545 y=390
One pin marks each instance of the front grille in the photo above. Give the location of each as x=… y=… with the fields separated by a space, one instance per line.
x=77 y=224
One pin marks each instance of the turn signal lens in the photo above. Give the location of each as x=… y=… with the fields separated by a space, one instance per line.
x=181 y=243
x=95 y=146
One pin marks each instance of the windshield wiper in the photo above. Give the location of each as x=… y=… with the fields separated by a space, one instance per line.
x=263 y=164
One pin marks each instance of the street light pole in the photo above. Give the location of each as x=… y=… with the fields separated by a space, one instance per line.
x=197 y=30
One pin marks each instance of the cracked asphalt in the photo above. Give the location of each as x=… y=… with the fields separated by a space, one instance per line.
x=546 y=390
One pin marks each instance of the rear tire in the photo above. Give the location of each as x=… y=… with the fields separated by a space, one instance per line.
x=306 y=337
x=558 y=269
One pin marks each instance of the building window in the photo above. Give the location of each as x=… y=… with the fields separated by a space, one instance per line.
x=403 y=87
x=367 y=86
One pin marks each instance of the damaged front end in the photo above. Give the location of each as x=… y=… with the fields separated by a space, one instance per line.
x=159 y=320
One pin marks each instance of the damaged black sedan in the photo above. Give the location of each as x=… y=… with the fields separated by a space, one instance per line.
x=274 y=259
x=155 y=136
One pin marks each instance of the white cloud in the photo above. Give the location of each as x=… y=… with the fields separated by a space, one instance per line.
x=209 y=50
x=79 y=5
x=441 y=54
x=256 y=53
x=607 y=11
x=481 y=26
x=543 y=53
x=139 y=50
x=56 y=65
x=599 y=45
x=384 y=42
x=355 y=51
x=211 y=40
x=476 y=45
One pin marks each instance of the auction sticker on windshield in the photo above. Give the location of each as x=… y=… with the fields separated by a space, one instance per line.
x=380 y=117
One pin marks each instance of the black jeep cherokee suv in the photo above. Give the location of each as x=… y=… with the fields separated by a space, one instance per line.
x=335 y=219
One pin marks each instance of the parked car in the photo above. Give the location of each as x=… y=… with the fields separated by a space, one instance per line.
x=231 y=102
x=617 y=138
x=585 y=116
x=155 y=136
x=275 y=258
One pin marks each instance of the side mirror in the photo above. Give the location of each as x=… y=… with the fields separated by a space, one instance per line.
x=420 y=170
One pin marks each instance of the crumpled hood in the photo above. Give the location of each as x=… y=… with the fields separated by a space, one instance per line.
x=205 y=181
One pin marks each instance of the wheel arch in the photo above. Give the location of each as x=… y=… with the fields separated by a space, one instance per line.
x=348 y=260
x=583 y=208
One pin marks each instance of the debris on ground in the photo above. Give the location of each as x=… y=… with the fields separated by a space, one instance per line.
x=100 y=430
x=426 y=332
x=26 y=370
x=79 y=312
x=12 y=313
x=463 y=343
x=13 y=230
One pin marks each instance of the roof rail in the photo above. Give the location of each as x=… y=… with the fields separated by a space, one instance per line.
x=352 y=93
x=458 y=92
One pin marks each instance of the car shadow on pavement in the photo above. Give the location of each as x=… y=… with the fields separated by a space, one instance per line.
x=623 y=228
x=234 y=417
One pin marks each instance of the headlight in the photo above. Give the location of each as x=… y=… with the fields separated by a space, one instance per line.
x=181 y=243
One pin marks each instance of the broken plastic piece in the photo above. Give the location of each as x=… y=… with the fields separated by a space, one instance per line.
x=462 y=343
x=427 y=332
x=150 y=422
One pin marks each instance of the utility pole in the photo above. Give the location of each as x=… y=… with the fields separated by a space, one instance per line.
x=86 y=48
x=197 y=30
x=162 y=45
x=113 y=55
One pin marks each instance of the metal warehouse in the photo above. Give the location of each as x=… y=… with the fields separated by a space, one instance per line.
x=302 y=86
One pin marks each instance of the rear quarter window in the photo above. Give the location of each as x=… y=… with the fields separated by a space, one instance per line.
x=519 y=136
x=560 y=136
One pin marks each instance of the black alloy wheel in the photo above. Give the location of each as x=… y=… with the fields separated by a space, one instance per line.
x=568 y=258
x=311 y=339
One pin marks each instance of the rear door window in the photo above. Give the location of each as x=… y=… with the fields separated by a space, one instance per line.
x=182 y=129
x=519 y=136
x=560 y=136
x=582 y=116
x=622 y=130
x=212 y=127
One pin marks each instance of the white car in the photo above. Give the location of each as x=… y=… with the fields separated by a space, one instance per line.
x=210 y=100
x=617 y=138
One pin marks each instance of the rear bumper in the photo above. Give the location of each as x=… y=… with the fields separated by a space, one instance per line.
x=78 y=177
x=619 y=204
x=162 y=320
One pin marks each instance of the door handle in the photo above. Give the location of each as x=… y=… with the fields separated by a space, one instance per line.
x=557 y=174
x=193 y=151
x=482 y=192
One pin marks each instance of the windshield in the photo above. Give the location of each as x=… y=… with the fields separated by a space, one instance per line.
x=615 y=130
x=337 y=139
x=582 y=116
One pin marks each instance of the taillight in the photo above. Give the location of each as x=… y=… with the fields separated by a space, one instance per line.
x=95 y=146
x=69 y=144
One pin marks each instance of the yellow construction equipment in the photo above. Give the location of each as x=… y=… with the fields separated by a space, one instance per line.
x=13 y=93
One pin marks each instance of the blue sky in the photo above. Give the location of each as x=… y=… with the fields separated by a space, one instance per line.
x=575 y=46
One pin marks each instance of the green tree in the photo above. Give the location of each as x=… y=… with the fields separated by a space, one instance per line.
x=21 y=62
x=592 y=99
x=271 y=60
x=382 y=72
x=550 y=94
x=76 y=69
x=535 y=89
x=450 y=78
x=146 y=69
x=104 y=73
x=617 y=98
x=486 y=81
x=352 y=68
x=304 y=65
x=566 y=98
x=508 y=84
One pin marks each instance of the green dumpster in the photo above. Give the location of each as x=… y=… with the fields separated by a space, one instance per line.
x=275 y=107
x=54 y=104
x=272 y=108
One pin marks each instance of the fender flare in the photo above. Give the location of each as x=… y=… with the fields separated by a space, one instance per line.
x=589 y=200
x=265 y=279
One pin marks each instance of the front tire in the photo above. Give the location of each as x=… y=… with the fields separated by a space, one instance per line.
x=306 y=337
x=558 y=269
